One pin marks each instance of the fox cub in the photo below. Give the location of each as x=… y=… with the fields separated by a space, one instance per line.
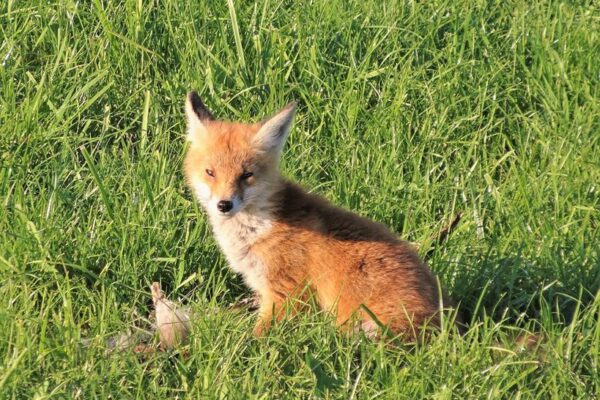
x=289 y=244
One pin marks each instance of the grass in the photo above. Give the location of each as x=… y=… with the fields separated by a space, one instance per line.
x=409 y=113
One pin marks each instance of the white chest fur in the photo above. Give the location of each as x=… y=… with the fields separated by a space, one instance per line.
x=236 y=236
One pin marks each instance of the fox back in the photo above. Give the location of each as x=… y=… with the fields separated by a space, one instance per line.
x=289 y=244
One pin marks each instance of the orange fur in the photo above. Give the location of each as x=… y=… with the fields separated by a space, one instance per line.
x=285 y=241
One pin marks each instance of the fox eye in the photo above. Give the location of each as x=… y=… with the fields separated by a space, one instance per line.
x=246 y=175
x=210 y=173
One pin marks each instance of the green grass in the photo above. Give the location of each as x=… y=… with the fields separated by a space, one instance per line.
x=409 y=113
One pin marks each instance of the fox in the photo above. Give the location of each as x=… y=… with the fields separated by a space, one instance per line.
x=288 y=244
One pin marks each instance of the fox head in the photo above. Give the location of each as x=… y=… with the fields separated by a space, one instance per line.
x=233 y=166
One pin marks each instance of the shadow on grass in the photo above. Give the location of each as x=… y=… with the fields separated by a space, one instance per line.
x=514 y=288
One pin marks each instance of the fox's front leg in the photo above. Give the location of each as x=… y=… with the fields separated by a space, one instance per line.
x=270 y=308
x=274 y=307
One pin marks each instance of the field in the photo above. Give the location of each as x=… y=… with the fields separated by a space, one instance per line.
x=409 y=113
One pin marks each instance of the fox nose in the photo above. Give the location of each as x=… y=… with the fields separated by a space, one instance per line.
x=225 y=206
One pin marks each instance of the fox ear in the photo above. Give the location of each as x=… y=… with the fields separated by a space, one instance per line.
x=197 y=115
x=274 y=130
